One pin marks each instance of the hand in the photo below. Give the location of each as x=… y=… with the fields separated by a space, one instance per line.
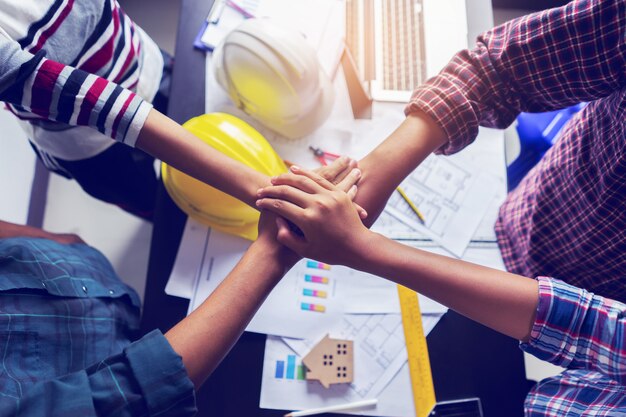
x=341 y=172
x=268 y=230
x=66 y=238
x=331 y=228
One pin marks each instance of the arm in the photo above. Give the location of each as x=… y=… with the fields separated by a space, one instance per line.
x=540 y=62
x=559 y=323
x=205 y=337
x=333 y=233
x=394 y=159
x=157 y=374
x=57 y=92
x=9 y=230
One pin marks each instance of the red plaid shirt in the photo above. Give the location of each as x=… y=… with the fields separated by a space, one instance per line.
x=567 y=218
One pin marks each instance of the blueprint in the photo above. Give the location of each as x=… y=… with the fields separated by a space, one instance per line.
x=452 y=198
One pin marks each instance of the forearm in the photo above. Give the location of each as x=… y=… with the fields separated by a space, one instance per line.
x=8 y=230
x=393 y=160
x=205 y=337
x=164 y=139
x=502 y=301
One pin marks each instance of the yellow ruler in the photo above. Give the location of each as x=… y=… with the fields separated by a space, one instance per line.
x=417 y=350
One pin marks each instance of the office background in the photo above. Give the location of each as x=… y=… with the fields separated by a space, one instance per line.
x=60 y=205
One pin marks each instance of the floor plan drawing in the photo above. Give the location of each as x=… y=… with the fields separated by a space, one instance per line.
x=452 y=198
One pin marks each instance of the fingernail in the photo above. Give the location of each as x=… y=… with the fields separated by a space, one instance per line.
x=357 y=172
x=273 y=180
x=294 y=168
x=258 y=203
x=259 y=191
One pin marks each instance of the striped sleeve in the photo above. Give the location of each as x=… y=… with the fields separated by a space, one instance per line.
x=64 y=94
x=544 y=61
x=576 y=329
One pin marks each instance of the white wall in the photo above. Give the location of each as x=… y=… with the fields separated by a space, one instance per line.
x=17 y=168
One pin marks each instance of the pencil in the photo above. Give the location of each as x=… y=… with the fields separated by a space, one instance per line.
x=343 y=407
x=406 y=198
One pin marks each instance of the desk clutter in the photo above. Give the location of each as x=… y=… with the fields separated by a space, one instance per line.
x=337 y=336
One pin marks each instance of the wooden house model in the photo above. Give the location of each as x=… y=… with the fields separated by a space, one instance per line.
x=331 y=361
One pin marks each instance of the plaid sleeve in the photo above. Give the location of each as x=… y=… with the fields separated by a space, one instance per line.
x=544 y=61
x=57 y=92
x=576 y=329
x=147 y=379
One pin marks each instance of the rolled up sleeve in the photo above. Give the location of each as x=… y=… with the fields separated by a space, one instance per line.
x=540 y=62
x=576 y=329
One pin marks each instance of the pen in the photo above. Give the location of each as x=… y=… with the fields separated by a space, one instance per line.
x=240 y=9
x=406 y=198
x=343 y=407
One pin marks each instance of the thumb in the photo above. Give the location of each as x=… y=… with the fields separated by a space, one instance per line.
x=286 y=236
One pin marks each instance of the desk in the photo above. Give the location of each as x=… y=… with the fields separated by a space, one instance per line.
x=467 y=359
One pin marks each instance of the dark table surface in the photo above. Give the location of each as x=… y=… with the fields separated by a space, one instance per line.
x=467 y=359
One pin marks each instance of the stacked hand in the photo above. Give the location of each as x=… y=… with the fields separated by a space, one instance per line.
x=332 y=230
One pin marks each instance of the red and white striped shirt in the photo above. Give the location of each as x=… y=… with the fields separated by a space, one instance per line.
x=65 y=63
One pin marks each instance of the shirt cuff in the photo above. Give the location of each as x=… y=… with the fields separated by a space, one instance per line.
x=161 y=375
x=445 y=101
x=137 y=122
x=557 y=321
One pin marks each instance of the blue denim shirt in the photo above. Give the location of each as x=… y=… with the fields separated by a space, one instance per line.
x=66 y=328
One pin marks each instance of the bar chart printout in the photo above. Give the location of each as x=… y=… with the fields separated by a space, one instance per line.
x=289 y=369
x=314 y=286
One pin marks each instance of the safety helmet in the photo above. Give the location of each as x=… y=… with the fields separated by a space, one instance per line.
x=237 y=139
x=273 y=75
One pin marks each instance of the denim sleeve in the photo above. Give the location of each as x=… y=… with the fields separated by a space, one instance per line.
x=147 y=378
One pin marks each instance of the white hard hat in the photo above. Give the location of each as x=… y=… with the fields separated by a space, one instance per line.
x=273 y=75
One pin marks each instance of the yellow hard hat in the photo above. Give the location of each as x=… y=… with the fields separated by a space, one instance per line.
x=240 y=141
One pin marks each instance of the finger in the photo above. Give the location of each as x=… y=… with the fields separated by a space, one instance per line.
x=362 y=212
x=340 y=177
x=287 y=193
x=300 y=181
x=352 y=192
x=330 y=172
x=349 y=181
x=315 y=178
x=283 y=208
x=287 y=237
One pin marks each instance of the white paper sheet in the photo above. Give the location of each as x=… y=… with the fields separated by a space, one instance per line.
x=283 y=313
x=380 y=354
x=486 y=152
x=189 y=257
x=453 y=199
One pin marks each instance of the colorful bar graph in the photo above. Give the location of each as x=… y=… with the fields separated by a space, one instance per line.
x=314 y=293
x=317 y=265
x=301 y=374
x=291 y=367
x=312 y=307
x=315 y=278
x=280 y=369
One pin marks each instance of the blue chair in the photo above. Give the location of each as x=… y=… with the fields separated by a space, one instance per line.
x=537 y=133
